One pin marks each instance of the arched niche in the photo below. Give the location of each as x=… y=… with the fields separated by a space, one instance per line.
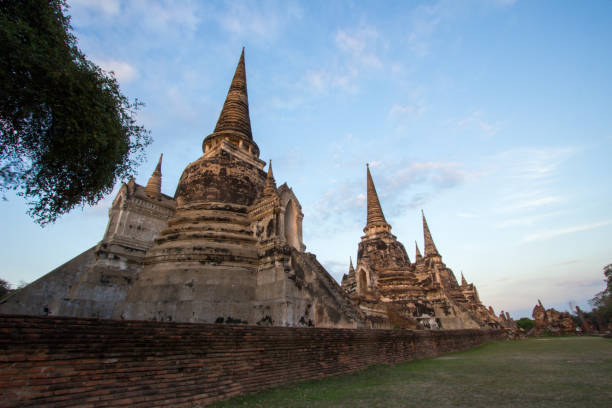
x=362 y=280
x=290 y=218
x=291 y=225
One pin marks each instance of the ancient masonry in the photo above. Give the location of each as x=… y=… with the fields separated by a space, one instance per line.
x=390 y=289
x=553 y=322
x=227 y=248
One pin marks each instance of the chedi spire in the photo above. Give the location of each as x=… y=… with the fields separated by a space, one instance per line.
x=234 y=117
x=375 y=219
x=153 y=187
x=430 y=247
x=270 y=186
x=418 y=255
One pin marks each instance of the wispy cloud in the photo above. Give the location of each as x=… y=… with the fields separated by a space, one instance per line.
x=527 y=177
x=409 y=111
x=260 y=22
x=528 y=220
x=124 y=71
x=359 y=50
x=545 y=235
x=532 y=203
x=400 y=186
x=360 y=44
x=110 y=7
x=475 y=121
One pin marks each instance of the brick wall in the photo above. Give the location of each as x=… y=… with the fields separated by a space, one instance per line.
x=71 y=362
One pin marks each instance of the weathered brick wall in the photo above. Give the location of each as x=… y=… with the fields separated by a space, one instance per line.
x=71 y=362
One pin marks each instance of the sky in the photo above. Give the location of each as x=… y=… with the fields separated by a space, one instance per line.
x=493 y=117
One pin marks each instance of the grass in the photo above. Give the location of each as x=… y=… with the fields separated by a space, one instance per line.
x=548 y=372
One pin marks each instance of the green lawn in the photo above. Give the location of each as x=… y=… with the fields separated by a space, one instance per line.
x=547 y=372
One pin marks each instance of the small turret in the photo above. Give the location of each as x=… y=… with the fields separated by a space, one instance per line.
x=418 y=255
x=463 y=281
x=153 y=188
x=270 y=186
x=430 y=247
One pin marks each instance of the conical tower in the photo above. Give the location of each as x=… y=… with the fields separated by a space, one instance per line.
x=418 y=255
x=234 y=123
x=376 y=221
x=230 y=170
x=234 y=117
x=270 y=186
x=351 y=268
x=463 y=281
x=430 y=247
x=208 y=242
x=153 y=188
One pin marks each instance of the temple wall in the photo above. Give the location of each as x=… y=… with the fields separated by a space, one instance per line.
x=69 y=362
x=45 y=295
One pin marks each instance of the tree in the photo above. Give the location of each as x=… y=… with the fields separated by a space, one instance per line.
x=5 y=288
x=525 y=323
x=602 y=302
x=67 y=133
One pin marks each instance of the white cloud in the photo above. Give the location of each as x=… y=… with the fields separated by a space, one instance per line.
x=110 y=7
x=124 y=72
x=544 y=235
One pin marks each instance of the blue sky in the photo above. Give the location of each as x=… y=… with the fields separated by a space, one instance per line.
x=491 y=116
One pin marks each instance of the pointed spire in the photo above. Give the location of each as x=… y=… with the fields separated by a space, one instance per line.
x=270 y=186
x=351 y=268
x=430 y=247
x=153 y=187
x=463 y=281
x=418 y=255
x=234 y=116
x=491 y=310
x=375 y=215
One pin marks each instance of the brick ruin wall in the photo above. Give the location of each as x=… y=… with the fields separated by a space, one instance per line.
x=73 y=362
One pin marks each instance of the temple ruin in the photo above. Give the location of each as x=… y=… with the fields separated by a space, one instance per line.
x=550 y=321
x=228 y=248
x=393 y=291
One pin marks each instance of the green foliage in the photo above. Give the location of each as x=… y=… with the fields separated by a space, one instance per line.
x=525 y=323
x=67 y=134
x=5 y=287
x=602 y=302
